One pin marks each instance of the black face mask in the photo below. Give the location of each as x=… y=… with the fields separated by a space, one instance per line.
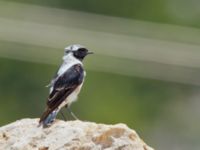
x=80 y=53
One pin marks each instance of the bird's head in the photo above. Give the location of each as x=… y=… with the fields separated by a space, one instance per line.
x=78 y=51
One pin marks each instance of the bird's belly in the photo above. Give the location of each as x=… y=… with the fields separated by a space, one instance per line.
x=72 y=97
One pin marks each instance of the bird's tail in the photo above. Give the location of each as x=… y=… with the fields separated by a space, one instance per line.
x=47 y=117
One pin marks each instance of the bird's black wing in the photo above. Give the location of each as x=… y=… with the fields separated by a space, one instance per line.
x=65 y=85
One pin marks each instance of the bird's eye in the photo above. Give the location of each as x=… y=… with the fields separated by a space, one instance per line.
x=82 y=51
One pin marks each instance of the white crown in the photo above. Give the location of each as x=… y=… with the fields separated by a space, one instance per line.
x=74 y=47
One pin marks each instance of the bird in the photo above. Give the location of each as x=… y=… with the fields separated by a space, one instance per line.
x=66 y=83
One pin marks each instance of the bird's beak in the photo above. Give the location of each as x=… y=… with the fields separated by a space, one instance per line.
x=90 y=53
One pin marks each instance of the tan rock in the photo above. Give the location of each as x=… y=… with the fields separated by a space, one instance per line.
x=71 y=135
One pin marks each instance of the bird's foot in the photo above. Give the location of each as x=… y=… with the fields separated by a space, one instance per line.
x=72 y=114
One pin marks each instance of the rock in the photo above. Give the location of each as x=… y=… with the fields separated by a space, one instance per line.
x=71 y=135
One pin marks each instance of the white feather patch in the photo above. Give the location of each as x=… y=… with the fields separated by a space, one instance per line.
x=69 y=61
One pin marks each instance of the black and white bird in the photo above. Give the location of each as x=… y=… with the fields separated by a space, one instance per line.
x=66 y=84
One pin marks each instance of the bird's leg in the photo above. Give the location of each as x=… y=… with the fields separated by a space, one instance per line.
x=63 y=115
x=72 y=114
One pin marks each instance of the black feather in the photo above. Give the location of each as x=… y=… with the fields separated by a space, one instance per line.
x=63 y=86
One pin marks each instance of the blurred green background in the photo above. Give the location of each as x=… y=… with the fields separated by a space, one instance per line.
x=145 y=71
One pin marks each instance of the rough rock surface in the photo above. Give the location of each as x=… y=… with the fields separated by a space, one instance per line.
x=71 y=135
